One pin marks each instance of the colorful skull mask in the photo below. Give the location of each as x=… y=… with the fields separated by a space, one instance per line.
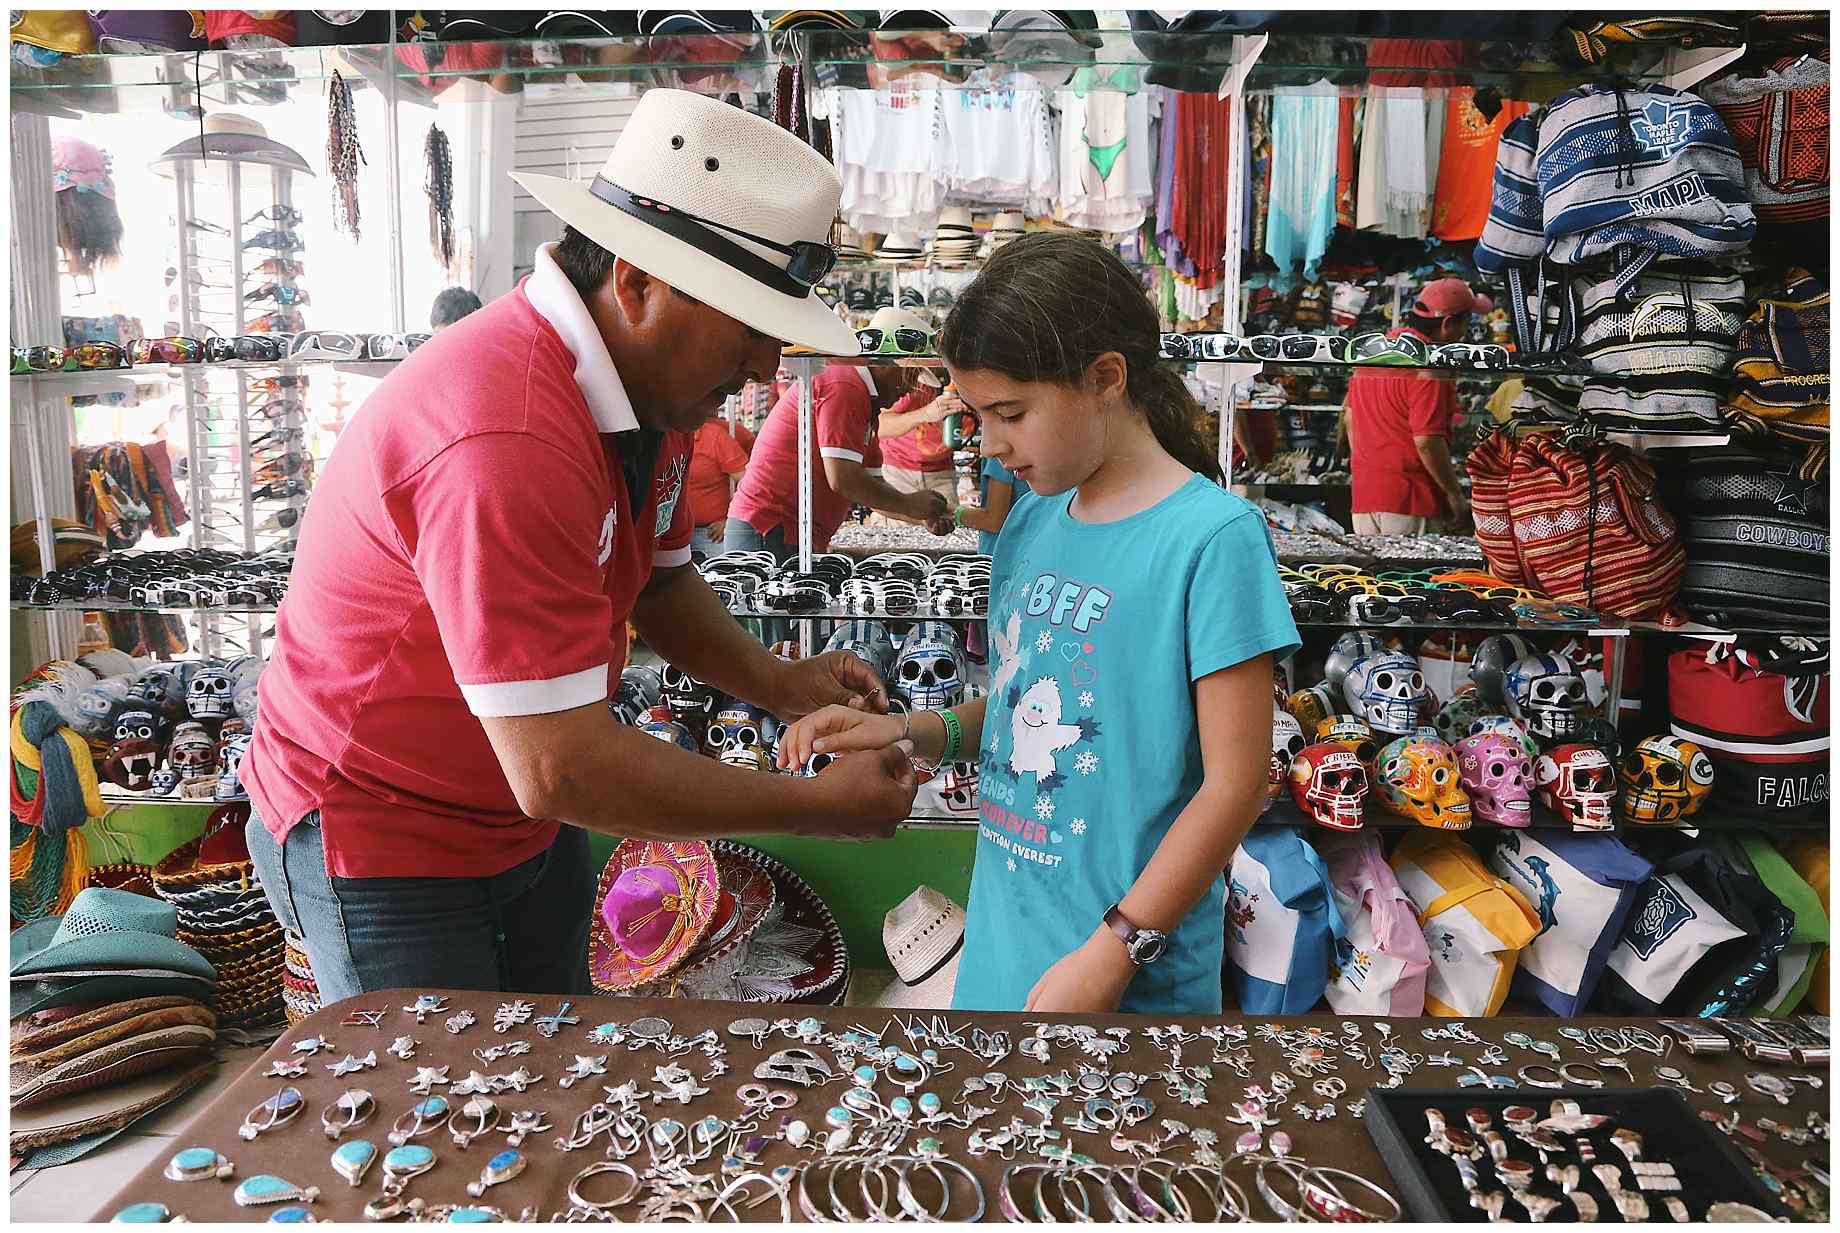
x=1546 y=693
x=691 y=702
x=1417 y=777
x=1286 y=743
x=1313 y=705
x=96 y=706
x=165 y=781
x=1351 y=734
x=246 y=698
x=210 y=695
x=1388 y=691
x=135 y=753
x=229 y=767
x=161 y=689
x=929 y=673
x=1498 y=775
x=1509 y=727
x=1578 y=782
x=740 y=734
x=639 y=691
x=660 y=722
x=959 y=792
x=869 y=641
x=192 y=752
x=1665 y=779
x=1488 y=667
x=1328 y=783
x=1343 y=654
x=1454 y=718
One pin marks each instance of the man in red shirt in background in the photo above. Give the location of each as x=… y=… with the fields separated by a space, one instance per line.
x=1399 y=422
x=718 y=462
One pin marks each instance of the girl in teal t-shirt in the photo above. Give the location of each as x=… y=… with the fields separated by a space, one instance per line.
x=1135 y=614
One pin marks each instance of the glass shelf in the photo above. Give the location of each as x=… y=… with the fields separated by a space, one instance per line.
x=150 y=371
x=123 y=605
x=1377 y=817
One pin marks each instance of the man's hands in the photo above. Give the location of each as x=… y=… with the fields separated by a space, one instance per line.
x=836 y=730
x=865 y=795
x=833 y=679
x=715 y=529
x=929 y=506
x=1092 y=979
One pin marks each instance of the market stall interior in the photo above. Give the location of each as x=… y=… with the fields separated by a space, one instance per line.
x=1512 y=324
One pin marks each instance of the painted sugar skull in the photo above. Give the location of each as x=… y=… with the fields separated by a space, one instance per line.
x=959 y=791
x=1509 y=727
x=740 y=735
x=245 y=696
x=1286 y=743
x=1546 y=693
x=1665 y=779
x=869 y=641
x=96 y=706
x=661 y=722
x=640 y=689
x=1488 y=667
x=1352 y=734
x=929 y=673
x=1313 y=705
x=165 y=782
x=1329 y=784
x=691 y=702
x=210 y=695
x=1417 y=778
x=192 y=751
x=1388 y=691
x=135 y=752
x=1344 y=652
x=1579 y=782
x=1454 y=718
x=1498 y=775
x=229 y=767
x=161 y=689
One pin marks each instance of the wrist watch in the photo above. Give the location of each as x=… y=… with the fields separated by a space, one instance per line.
x=1142 y=946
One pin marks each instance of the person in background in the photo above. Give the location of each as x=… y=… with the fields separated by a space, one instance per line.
x=915 y=456
x=717 y=464
x=451 y=305
x=997 y=491
x=1399 y=422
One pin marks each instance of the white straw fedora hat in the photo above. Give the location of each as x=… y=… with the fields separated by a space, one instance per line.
x=728 y=208
x=924 y=935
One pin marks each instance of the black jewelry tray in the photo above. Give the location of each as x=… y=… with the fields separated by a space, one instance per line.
x=1710 y=1170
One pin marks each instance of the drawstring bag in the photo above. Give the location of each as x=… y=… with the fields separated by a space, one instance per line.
x=1581 y=887
x=1474 y=923
x=1703 y=939
x=1663 y=343
x=1282 y=923
x=1380 y=969
x=1808 y=856
x=1588 y=529
x=1779 y=120
x=1779 y=375
x=1595 y=42
x=1491 y=468
x=1762 y=719
x=1755 y=526
x=1808 y=939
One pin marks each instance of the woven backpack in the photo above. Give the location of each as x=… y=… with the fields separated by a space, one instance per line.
x=1779 y=120
x=1779 y=381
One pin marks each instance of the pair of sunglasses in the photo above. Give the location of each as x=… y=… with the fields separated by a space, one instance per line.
x=286 y=216
x=277 y=292
x=1405 y=351
x=277 y=267
x=175 y=350
x=270 y=384
x=903 y=341
x=84 y=357
x=276 y=239
x=280 y=321
x=1200 y=346
x=1470 y=355
x=326 y=345
x=807 y=261
x=222 y=350
x=392 y=346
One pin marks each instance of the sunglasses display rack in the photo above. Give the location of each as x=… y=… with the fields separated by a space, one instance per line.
x=240 y=269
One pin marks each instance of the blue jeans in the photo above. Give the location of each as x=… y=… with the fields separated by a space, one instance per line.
x=521 y=931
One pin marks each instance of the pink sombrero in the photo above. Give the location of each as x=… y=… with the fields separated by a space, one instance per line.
x=656 y=902
x=747 y=898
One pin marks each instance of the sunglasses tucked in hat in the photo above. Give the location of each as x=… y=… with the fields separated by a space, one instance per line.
x=1450 y=297
x=726 y=207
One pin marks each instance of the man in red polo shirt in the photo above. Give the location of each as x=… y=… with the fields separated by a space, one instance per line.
x=434 y=740
x=1399 y=422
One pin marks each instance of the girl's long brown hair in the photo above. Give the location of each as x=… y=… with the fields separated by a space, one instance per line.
x=1046 y=306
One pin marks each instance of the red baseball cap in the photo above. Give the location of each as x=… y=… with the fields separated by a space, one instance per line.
x=1450 y=297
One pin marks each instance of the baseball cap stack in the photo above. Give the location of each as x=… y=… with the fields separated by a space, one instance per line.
x=224 y=914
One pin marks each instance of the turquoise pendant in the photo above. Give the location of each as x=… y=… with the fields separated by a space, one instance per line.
x=292 y=1215
x=500 y=1169
x=267 y=1188
x=142 y=1213
x=423 y=1118
x=353 y=1160
x=474 y=1215
x=278 y=1110
x=195 y=1164
x=409 y=1161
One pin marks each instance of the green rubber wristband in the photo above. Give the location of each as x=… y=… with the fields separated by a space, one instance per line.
x=955 y=734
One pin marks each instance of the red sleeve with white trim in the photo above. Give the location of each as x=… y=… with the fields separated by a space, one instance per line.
x=505 y=534
x=843 y=416
x=673 y=547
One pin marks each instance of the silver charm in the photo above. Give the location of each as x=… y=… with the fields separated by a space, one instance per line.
x=523 y=1123
x=312 y=1045
x=403 y=1047
x=351 y=1110
x=475 y=1084
x=196 y=1164
x=481 y=1118
x=278 y=1110
x=363 y=1016
x=427 y=1078
x=425 y=1005
x=282 y=1069
x=401 y=1164
x=500 y=1169
x=352 y=1159
x=267 y=1188
x=516 y=1081
x=422 y=1118
x=549 y=1025
x=350 y=1065
x=679 y=1084
x=458 y=1023
x=584 y=1067
x=512 y=1014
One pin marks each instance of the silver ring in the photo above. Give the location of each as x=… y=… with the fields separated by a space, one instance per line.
x=595 y=1170
x=1596 y=1079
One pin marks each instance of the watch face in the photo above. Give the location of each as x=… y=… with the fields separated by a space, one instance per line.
x=1148 y=946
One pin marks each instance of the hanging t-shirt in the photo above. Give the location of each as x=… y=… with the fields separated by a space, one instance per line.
x=994 y=470
x=884 y=146
x=1091 y=745
x=993 y=145
x=1466 y=170
x=1301 y=219
x=1105 y=181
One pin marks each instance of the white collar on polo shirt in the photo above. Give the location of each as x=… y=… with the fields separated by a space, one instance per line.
x=868 y=380
x=554 y=297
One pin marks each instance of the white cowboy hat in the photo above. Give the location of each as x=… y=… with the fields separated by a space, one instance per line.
x=684 y=161
x=924 y=935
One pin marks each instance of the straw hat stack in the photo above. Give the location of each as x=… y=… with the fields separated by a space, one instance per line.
x=954 y=239
x=1008 y=226
x=224 y=915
